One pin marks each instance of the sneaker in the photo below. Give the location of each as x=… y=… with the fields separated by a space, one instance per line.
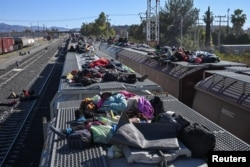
x=81 y=119
x=141 y=79
x=58 y=131
x=12 y=94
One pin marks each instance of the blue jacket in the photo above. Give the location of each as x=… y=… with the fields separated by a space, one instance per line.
x=116 y=102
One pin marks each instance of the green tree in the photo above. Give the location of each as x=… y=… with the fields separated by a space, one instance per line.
x=208 y=19
x=100 y=24
x=202 y=36
x=136 y=33
x=176 y=19
x=243 y=39
x=238 y=20
x=87 y=29
x=230 y=39
x=100 y=27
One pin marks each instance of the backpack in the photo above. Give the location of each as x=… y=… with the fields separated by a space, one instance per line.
x=198 y=139
x=80 y=139
x=173 y=118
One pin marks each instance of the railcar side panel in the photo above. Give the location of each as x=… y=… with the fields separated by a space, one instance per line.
x=7 y=44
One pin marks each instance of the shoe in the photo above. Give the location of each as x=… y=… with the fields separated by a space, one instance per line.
x=12 y=94
x=81 y=120
x=143 y=78
x=58 y=131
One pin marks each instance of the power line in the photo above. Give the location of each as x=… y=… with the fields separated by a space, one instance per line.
x=55 y=20
x=58 y=20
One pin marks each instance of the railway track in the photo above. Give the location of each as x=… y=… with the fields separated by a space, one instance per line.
x=9 y=75
x=20 y=126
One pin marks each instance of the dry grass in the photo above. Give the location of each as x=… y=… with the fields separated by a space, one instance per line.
x=243 y=58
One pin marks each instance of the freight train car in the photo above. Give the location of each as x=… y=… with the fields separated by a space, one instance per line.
x=9 y=44
x=6 y=44
x=26 y=42
x=227 y=93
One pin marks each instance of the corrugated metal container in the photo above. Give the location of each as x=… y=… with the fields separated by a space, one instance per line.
x=7 y=44
x=25 y=41
x=1 y=46
x=224 y=98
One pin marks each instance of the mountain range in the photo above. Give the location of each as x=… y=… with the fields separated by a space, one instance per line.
x=19 y=28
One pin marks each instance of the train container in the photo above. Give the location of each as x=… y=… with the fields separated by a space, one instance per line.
x=6 y=44
x=31 y=42
x=27 y=41
x=1 y=48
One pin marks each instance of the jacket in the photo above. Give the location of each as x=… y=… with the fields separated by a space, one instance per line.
x=116 y=102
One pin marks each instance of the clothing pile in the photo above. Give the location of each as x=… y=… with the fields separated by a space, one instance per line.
x=102 y=70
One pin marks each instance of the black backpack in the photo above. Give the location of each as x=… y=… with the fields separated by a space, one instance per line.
x=173 y=118
x=198 y=139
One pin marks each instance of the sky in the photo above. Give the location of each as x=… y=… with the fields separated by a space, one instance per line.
x=72 y=13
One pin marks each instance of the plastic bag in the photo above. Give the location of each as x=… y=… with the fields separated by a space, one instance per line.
x=101 y=133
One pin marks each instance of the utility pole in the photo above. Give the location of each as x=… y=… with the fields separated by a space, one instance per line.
x=220 y=27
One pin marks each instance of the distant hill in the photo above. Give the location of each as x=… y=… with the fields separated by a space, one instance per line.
x=19 y=28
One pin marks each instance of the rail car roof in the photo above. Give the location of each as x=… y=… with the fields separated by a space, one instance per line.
x=175 y=69
x=223 y=63
x=58 y=153
x=75 y=61
x=240 y=70
x=232 y=86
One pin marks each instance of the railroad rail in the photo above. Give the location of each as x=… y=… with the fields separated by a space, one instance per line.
x=9 y=75
x=16 y=122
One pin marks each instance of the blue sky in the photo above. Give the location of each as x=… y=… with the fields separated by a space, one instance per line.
x=72 y=13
